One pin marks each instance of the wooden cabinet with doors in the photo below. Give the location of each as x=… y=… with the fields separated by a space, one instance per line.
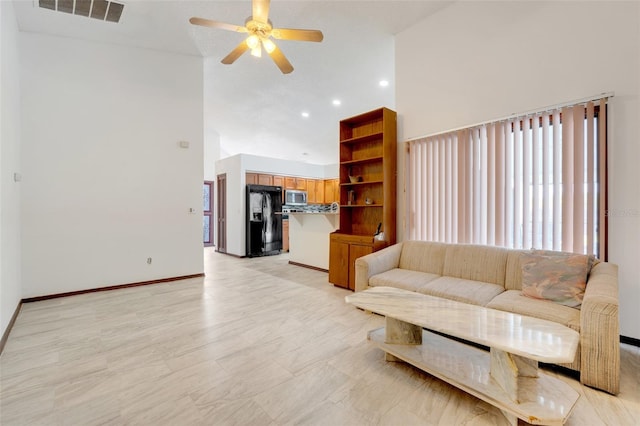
x=331 y=191
x=367 y=194
x=259 y=179
x=289 y=182
x=344 y=249
x=264 y=179
x=315 y=191
x=279 y=181
x=311 y=191
x=251 y=178
x=292 y=182
x=319 y=191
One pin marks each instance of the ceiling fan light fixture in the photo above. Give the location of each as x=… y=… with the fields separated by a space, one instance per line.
x=260 y=30
x=253 y=41
x=269 y=45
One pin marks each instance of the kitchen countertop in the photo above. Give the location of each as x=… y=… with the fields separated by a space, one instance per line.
x=307 y=213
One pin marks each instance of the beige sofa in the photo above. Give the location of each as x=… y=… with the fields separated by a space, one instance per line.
x=491 y=277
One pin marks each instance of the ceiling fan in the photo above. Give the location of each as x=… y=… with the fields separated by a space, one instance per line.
x=260 y=31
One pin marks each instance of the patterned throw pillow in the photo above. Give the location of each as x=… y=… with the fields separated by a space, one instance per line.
x=556 y=276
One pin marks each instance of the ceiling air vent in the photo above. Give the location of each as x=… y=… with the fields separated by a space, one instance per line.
x=97 y=9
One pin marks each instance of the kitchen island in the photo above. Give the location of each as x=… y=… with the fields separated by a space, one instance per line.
x=309 y=238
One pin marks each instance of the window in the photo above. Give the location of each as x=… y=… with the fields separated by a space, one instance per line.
x=538 y=180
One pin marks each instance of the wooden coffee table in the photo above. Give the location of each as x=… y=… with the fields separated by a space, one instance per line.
x=507 y=377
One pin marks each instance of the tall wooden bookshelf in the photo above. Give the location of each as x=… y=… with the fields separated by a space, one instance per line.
x=368 y=173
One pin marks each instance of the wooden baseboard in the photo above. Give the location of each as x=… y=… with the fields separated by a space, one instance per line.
x=5 y=335
x=308 y=266
x=108 y=288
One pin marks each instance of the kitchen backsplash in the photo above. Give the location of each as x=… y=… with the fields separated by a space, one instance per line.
x=309 y=208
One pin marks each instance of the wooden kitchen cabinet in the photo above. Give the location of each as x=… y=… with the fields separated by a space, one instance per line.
x=315 y=191
x=339 y=262
x=311 y=191
x=319 y=191
x=311 y=196
x=264 y=179
x=278 y=181
x=251 y=178
x=331 y=190
x=343 y=251
x=291 y=182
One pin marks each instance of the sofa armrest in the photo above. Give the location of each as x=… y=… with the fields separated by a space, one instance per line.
x=375 y=263
x=600 y=330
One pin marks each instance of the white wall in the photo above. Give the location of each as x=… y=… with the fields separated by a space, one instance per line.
x=231 y=166
x=255 y=163
x=211 y=153
x=105 y=183
x=10 y=280
x=475 y=61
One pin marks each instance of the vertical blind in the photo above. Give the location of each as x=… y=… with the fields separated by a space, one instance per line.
x=533 y=181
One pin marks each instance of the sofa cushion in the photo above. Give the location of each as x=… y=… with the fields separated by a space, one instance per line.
x=462 y=290
x=513 y=275
x=423 y=256
x=555 y=276
x=475 y=262
x=402 y=278
x=514 y=301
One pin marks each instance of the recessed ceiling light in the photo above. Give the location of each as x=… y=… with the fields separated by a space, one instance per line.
x=383 y=83
x=305 y=114
x=336 y=102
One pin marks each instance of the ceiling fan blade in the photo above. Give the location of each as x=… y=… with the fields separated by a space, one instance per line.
x=281 y=61
x=296 y=34
x=216 y=24
x=235 y=53
x=261 y=10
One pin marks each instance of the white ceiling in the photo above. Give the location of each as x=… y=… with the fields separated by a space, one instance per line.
x=252 y=106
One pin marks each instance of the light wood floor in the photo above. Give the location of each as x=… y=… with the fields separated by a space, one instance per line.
x=256 y=342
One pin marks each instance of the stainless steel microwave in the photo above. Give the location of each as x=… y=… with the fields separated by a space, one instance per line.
x=295 y=197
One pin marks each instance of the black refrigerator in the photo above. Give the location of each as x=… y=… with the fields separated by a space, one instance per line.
x=264 y=220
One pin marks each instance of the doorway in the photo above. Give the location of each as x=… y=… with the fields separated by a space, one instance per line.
x=221 y=210
x=207 y=210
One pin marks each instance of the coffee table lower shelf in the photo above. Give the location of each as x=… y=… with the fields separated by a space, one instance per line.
x=543 y=400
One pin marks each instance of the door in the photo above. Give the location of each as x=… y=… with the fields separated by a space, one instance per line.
x=221 y=186
x=338 y=263
x=207 y=225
